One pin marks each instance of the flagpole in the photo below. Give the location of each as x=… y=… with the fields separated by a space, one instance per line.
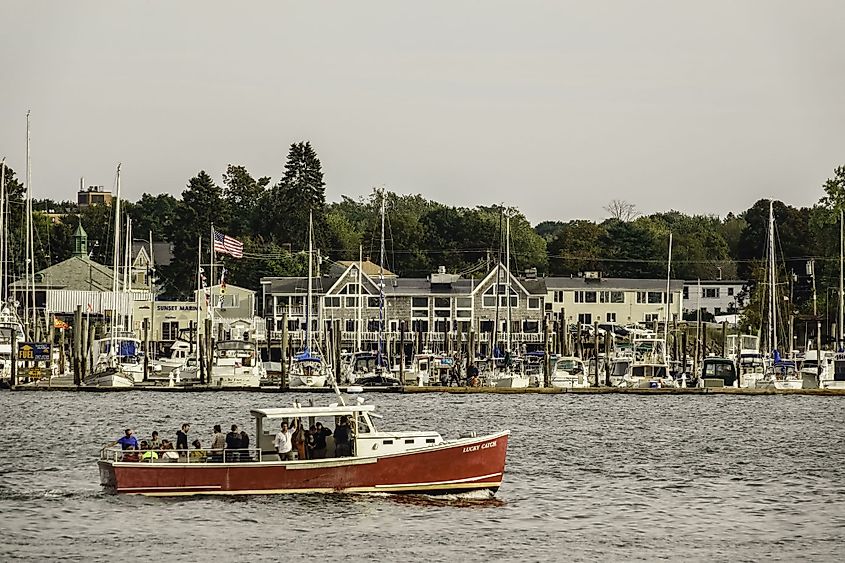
x=213 y=255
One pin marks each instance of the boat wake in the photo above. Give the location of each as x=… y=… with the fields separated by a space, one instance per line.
x=478 y=498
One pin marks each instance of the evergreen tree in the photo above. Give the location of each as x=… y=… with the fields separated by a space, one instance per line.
x=300 y=191
x=243 y=194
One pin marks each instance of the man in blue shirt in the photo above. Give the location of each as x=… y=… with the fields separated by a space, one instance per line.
x=128 y=441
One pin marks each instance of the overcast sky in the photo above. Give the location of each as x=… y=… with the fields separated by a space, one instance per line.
x=555 y=107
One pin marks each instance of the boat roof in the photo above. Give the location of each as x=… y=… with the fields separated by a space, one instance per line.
x=331 y=410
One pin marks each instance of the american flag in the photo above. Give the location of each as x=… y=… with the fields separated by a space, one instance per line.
x=225 y=244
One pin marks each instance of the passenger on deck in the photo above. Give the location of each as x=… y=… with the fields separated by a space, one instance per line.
x=245 y=453
x=148 y=455
x=167 y=451
x=233 y=444
x=342 y=434
x=298 y=439
x=198 y=454
x=320 y=435
x=284 y=443
x=154 y=442
x=310 y=442
x=182 y=440
x=218 y=443
x=128 y=442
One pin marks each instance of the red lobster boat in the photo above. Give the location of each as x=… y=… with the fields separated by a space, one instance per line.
x=392 y=462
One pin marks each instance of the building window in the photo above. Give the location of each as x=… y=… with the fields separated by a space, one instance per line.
x=419 y=303
x=585 y=296
x=717 y=311
x=655 y=297
x=651 y=317
x=351 y=302
x=548 y=307
x=350 y=289
x=533 y=302
x=332 y=302
x=373 y=302
x=170 y=330
x=642 y=297
x=350 y=325
x=463 y=307
x=611 y=317
x=532 y=327
x=686 y=292
x=585 y=318
x=710 y=292
x=558 y=297
x=730 y=292
x=612 y=296
x=486 y=326
x=419 y=325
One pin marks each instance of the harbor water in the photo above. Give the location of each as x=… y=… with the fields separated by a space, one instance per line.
x=589 y=477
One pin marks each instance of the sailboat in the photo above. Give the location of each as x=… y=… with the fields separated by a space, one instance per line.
x=834 y=376
x=511 y=374
x=118 y=360
x=308 y=368
x=9 y=321
x=780 y=373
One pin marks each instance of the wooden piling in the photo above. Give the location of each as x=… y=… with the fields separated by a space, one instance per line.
x=209 y=355
x=77 y=346
x=283 y=357
x=547 y=357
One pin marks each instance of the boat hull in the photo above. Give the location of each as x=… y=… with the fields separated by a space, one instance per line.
x=465 y=465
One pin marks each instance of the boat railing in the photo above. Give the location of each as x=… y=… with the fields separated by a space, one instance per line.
x=114 y=453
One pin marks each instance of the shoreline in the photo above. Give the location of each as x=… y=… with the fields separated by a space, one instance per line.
x=453 y=390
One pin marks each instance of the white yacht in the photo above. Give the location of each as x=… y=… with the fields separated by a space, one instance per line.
x=569 y=372
x=118 y=361
x=649 y=366
x=235 y=364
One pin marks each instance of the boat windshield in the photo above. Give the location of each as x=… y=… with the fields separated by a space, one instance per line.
x=718 y=369
x=124 y=347
x=568 y=365
x=649 y=371
x=619 y=368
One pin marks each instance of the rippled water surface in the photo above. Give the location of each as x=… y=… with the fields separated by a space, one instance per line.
x=605 y=477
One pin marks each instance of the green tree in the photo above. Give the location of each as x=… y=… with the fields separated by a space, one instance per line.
x=300 y=191
x=157 y=214
x=244 y=195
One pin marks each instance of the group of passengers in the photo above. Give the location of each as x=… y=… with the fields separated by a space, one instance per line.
x=293 y=441
x=232 y=447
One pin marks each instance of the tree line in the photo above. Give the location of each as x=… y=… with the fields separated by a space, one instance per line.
x=271 y=219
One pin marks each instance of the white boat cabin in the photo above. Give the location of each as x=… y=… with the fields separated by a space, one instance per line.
x=367 y=441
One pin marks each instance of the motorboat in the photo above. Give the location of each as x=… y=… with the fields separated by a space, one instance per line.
x=407 y=461
x=235 y=364
x=835 y=378
x=569 y=372
x=649 y=366
x=717 y=372
x=431 y=369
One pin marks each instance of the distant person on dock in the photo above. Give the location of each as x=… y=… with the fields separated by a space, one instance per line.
x=233 y=444
x=284 y=443
x=218 y=444
x=182 y=440
x=472 y=376
x=320 y=435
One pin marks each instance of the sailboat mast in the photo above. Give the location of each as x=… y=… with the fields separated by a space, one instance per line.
x=773 y=318
x=668 y=295
x=508 y=272
x=841 y=277
x=30 y=281
x=199 y=291
x=3 y=229
x=381 y=286
x=360 y=298
x=116 y=254
x=310 y=290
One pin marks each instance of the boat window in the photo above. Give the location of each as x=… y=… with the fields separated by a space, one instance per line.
x=429 y=440
x=387 y=442
x=620 y=368
x=409 y=440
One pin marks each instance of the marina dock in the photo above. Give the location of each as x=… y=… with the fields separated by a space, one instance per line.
x=413 y=389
